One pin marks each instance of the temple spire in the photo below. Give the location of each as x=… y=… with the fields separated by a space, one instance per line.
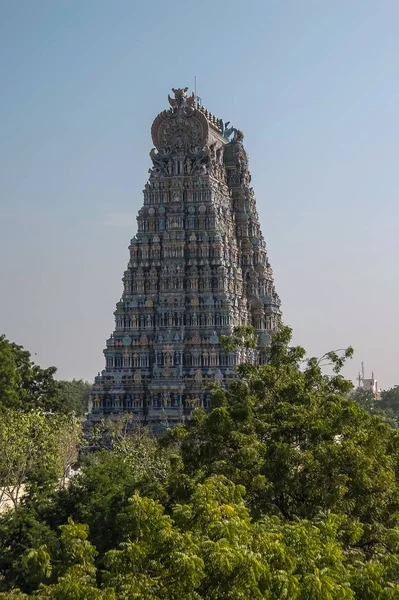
x=198 y=268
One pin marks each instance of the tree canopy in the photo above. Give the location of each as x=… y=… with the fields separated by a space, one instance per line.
x=285 y=488
x=387 y=405
x=24 y=385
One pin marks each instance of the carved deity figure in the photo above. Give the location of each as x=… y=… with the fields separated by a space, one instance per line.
x=187 y=166
x=238 y=136
x=181 y=98
x=166 y=401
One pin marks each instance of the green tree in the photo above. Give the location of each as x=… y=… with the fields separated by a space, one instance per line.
x=387 y=406
x=13 y=595
x=23 y=532
x=365 y=399
x=219 y=519
x=69 y=440
x=389 y=403
x=37 y=450
x=286 y=488
x=108 y=478
x=76 y=570
x=28 y=451
x=23 y=384
x=73 y=396
x=291 y=435
x=156 y=560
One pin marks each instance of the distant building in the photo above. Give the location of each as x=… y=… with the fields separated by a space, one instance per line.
x=369 y=385
x=198 y=268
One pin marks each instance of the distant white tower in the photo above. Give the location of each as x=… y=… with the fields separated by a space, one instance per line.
x=369 y=385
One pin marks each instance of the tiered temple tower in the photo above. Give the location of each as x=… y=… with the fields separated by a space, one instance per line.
x=198 y=268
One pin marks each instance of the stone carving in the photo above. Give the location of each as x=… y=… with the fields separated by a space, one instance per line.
x=238 y=136
x=188 y=165
x=181 y=98
x=226 y=130
x=160 y=162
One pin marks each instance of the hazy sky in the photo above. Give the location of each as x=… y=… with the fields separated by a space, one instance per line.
x=314 y=85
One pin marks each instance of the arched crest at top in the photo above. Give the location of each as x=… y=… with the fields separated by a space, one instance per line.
x=181 y=128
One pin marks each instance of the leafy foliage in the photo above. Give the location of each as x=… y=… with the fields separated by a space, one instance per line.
x=73 y=396
x=390 y=401
x=286 y=488
x=36 y=449
x=24 y=385
x=387 y=406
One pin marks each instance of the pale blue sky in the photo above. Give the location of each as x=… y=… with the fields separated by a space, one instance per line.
x=314 y=85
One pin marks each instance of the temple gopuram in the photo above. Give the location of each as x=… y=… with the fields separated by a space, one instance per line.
x=198 y=268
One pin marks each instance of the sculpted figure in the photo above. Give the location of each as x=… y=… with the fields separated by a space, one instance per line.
x=187 y=166
x=158 y=164
x=212 y=152
x=181 y=97
x=238 y=135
